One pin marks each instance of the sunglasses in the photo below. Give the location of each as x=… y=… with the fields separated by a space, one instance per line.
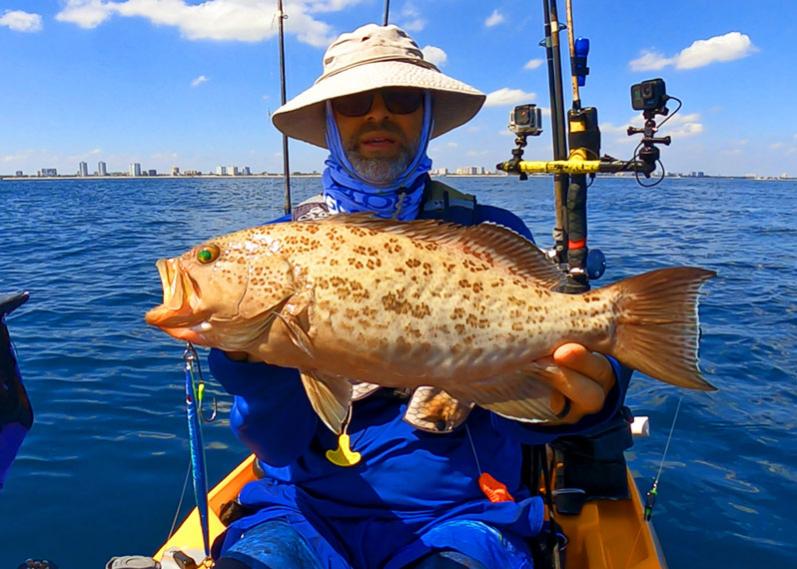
x=398 y=102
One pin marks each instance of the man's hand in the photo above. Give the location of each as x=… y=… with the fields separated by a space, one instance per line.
x=582 y=379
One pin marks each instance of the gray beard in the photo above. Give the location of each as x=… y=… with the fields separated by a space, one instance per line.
x=379 y=171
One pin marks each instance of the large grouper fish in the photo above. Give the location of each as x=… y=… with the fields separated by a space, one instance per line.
x=464 y=310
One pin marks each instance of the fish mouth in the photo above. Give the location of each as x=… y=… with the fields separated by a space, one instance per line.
x=180 y=297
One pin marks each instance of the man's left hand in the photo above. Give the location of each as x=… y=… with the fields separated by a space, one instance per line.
x=581 y=381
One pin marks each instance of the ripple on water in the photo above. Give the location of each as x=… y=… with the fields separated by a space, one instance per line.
x=110 y=444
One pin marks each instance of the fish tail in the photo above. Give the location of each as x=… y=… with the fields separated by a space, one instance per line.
x=657 y=328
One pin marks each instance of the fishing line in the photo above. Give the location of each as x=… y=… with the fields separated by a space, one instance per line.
x=473 y=448
x=669 y=438
x=633 y=547
x=650 y=496
x=180 y=503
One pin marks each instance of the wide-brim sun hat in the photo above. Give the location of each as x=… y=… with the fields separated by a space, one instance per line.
x=375 y=57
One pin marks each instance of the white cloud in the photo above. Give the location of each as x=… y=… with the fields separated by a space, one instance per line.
x=506 y=96
x=317 y=6
x=415 y=25
x=435 y=55
x=18 y=157
x=533 y=64
x=221 y=20
x=727 y=47
x=679 y=126
x=650 y=61
x=20 y=21
x=494 y=19
x=731 y=46
x=85 y=13
x=410 y=18
x=198 y=81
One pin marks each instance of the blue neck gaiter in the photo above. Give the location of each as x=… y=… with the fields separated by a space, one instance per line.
x=345 y=191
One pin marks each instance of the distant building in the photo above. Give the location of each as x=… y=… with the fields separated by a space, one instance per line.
x=48 y=172
x=175 y=170
x=135 y=169
x=246 y=171
x=102 y=169
x=221 y=170
x=152 y=172
x=193 y=172
x=19 y=174
x=232 y=170
x=83 y=170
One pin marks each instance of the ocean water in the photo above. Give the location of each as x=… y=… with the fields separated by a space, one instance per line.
x=101 y=472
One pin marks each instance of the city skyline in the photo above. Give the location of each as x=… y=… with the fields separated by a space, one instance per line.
x=199 y=89
x=135 y=170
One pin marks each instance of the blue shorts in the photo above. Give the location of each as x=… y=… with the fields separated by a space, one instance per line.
x=296 y=544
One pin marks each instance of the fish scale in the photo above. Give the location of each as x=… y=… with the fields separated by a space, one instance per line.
x=467 y=310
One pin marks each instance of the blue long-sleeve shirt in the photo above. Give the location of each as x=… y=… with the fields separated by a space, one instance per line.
x=409 y=478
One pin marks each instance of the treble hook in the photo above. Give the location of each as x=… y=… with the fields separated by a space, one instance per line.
x=192 y=366
x=215 y=405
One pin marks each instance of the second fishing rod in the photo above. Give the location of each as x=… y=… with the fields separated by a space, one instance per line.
x=580 y=132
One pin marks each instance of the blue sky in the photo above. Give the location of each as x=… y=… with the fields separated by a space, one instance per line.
x=192 y=83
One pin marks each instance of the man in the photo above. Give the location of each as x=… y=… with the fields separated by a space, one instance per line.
x=419 y=496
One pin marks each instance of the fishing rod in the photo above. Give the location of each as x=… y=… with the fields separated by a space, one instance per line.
x=581 y=133
x=194 y=394
x=582 y=123
x=387 y=12
x=281 y=16
x=554 y=60
x=570 y=249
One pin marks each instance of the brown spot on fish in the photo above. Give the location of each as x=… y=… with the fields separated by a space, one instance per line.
x=396 y=303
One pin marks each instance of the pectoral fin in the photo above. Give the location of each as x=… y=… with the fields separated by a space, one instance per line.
x=362 y=389
x=330 y=397
x=523 y=395
x=433 y=410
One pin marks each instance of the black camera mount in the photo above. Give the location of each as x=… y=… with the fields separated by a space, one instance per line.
x=651 y=98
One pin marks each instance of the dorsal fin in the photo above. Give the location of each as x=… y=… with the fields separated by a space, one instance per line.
x=490 y=243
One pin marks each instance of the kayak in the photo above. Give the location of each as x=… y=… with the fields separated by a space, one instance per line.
x=607 y=534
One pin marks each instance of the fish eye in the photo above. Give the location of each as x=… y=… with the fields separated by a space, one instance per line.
x=208 y=254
